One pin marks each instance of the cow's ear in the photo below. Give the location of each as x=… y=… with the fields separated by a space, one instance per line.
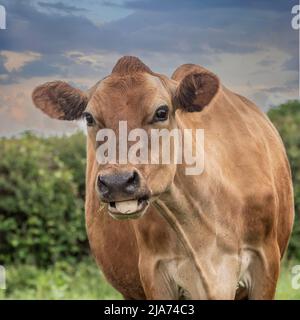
x=59 y=100
x=195 y=91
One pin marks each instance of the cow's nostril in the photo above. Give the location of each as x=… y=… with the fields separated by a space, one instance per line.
x=101 y=181
x=134 y=178
x=132 y=182
x=102 y=184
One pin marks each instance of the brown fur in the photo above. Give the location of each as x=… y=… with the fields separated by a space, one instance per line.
x=130 y=65
x=196 y=91
x=202 y=236
x=59 y=100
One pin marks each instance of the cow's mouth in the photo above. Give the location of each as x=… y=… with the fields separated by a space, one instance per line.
x=129 y=209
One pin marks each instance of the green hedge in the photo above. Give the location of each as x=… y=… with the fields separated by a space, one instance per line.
x=42 y=206
x=286 y=118
x=42 y=182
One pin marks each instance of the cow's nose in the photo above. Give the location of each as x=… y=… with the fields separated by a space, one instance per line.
x=114 y=185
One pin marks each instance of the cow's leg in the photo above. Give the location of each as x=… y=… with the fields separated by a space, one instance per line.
x=264 y=272
x=241 y=294
x=125 y=297
x=157 y=283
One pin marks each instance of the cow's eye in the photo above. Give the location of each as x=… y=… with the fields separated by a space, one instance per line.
x=161 y=114
x=89 y=119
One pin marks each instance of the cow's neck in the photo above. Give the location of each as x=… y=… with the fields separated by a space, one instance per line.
x=194 y=213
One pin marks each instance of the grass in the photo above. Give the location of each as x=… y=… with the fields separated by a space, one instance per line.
x=85 y=281
x=284 y=287
x=61 y=281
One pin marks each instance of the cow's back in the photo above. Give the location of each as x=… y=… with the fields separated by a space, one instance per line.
x=275 y=159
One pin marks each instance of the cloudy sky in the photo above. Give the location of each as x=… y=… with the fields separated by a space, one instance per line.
x=249 y=44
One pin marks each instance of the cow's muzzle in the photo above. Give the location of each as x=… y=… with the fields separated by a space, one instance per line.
x=125 y=194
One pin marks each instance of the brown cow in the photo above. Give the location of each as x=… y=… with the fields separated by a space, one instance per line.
x=217 y=235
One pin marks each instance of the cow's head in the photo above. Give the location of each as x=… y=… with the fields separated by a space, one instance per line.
x=146 y=100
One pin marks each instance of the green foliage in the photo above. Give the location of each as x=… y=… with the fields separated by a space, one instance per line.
x=62 y=280
x=42 y=206
x=285 y=290
x=286 y=118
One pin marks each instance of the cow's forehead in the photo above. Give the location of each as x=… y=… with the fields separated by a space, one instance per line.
x=131 y=91
x=129 y=83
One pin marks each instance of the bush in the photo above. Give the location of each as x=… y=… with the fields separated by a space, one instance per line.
x=42 y=206
x=286 y=118
x=62 y=280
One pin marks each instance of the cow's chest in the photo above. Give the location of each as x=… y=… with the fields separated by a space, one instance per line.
x=183 y=278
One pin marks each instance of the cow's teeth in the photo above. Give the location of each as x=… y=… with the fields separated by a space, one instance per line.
x=127 y=207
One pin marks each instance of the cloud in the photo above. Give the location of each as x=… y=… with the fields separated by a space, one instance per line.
x=250 y=45
x=204 y=29
x=290 y=86
x=174 y=5
x=31 y=30
x=2 y=68
x=98 y=61
x=14 y=61
x=292 y=64
x=267 y=62
x=59 y=6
